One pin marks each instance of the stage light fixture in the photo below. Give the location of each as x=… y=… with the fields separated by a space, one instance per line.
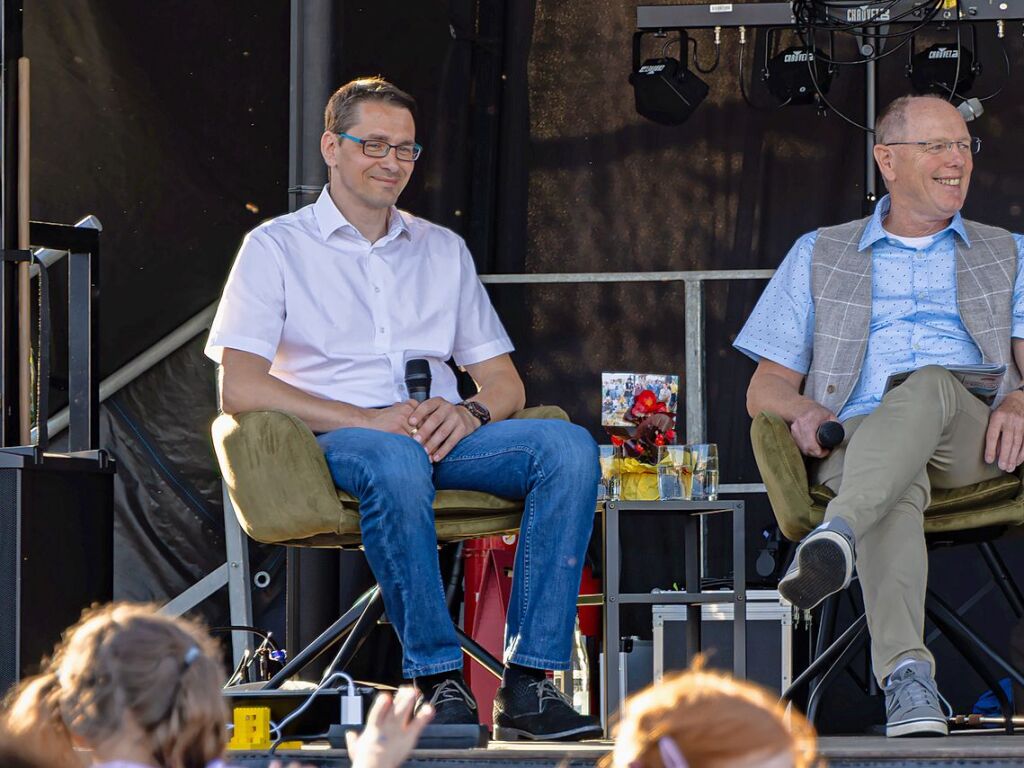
x=665 y=90
x=789 y=75
x=947 y=69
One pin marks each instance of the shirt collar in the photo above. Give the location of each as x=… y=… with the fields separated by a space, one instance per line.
x=330 y=219
x=874 y=231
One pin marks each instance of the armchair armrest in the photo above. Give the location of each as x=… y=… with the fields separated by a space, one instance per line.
x=541 y=412
x=1019 y=472
x=784 y=474
x=272 y=465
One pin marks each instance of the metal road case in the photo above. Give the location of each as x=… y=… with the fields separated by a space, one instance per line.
x=769 y=638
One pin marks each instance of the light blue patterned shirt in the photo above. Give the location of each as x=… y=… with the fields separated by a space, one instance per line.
x=914 y=316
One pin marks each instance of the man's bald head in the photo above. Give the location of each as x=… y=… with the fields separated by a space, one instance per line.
x=892 y=123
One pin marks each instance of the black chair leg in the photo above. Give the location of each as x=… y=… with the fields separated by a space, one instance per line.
x=825 y=637
x=853 y=647
x=827 y=657
x=354 y=626
x=867 y=682
x=479 y=654
x=360 y=632
x=827 y=629
x=325 y=640
x=937 y=604
x=1002 y=577
x=961 y=641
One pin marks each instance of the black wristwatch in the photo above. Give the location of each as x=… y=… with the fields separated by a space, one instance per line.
x=477 y=409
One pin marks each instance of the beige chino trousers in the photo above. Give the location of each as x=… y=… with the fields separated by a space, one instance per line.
x=929 y=432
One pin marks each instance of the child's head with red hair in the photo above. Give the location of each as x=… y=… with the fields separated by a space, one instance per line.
x=703 y=719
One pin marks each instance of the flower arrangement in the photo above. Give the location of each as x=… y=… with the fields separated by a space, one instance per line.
x=655 y=426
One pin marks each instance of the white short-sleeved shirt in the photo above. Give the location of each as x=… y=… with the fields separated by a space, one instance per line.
x=339 y=316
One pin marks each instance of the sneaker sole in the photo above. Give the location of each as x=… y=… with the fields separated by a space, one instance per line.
x=505 y=733
x=824 y=565
x=928 y=726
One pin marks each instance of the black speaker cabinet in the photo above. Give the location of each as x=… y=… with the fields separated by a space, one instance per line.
x=56 y=550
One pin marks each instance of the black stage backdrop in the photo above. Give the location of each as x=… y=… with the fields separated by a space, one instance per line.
x=169 y=121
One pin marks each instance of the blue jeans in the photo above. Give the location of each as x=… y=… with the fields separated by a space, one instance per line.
x=551 y=464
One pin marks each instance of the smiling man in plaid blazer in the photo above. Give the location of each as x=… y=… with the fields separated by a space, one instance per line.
x=912 y=287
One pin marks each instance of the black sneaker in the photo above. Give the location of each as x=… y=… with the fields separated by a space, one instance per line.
x=453 y=703
x=536 y=709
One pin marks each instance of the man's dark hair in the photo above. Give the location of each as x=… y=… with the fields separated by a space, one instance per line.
x=341 y=111
x=892 y=123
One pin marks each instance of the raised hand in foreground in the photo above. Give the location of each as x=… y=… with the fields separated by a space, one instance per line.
x=391 y=731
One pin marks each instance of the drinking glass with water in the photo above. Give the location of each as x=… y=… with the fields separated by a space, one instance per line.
x=610 y=484
x=675 y=472
x=705 y=471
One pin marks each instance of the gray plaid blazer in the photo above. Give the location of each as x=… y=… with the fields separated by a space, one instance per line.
x=841 y=291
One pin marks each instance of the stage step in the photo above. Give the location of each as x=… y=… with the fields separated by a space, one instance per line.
x=977 y=749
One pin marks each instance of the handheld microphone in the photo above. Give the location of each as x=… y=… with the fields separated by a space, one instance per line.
x=830 y=434
x=417 y=379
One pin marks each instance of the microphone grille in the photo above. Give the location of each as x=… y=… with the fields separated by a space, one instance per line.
x=417 y=367
x=830 y=434
x=969 y=109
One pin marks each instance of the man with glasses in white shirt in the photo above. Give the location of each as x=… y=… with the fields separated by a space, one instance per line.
x=912 y=287
x=321 y=312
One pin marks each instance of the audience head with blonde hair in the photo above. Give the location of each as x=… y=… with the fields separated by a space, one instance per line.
x=130 y=684
x=703 y=719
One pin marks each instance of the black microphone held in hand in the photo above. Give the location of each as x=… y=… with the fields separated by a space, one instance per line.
x=417 y=379
x=830 y=434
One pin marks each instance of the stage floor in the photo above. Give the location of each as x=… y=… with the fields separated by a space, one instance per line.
x=975 y=749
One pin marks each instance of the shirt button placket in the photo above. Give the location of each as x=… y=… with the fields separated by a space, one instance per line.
x=377 y=301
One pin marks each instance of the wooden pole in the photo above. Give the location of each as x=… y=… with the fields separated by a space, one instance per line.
x=24 y=282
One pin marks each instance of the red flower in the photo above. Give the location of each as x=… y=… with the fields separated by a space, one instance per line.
x=616 y=440
x=645 y=400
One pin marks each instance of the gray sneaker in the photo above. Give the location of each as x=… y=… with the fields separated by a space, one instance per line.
x=823 y=565
x=912 y=703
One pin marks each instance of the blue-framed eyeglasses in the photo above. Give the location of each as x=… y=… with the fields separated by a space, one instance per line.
x=377 y=148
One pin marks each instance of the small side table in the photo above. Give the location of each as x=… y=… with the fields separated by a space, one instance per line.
x=690 y=512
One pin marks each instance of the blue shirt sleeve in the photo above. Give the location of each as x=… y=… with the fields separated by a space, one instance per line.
x=1017 y=330
x=781 y=327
